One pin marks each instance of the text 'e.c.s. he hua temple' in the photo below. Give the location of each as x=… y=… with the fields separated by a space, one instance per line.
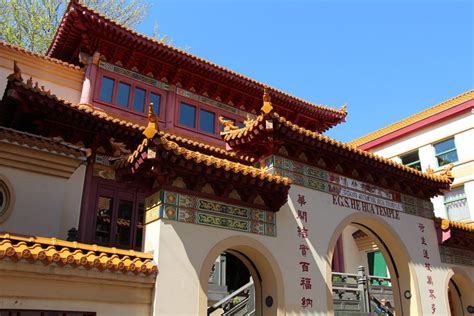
x=139 y=179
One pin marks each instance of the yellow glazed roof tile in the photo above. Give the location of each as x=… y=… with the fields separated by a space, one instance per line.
x=235 y=134
x=54 y=146
x=443 y=106
x=361 y=152
x=103 y=115
x=446 y=224
x=207 y=160
x=216 y=162
x=74 y=254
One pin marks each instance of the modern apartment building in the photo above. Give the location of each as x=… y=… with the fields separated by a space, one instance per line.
x=439 y=137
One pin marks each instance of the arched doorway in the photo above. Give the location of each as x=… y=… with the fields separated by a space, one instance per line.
x=459 y=293
x=231 y=288
x=256 y=266
x=385 y=262
x=361 y=280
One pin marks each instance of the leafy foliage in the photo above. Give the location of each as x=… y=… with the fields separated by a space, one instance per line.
x=33 y=23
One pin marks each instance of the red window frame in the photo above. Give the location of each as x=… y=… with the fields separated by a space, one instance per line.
x=199 y=106
x=111 y=189
x=133 y=84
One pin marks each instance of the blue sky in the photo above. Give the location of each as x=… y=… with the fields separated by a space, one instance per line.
x=387 y=59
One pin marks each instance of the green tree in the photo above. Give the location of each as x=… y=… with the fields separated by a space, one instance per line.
x=33 y=23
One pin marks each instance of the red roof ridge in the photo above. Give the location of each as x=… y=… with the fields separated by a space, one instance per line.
x=341 y=112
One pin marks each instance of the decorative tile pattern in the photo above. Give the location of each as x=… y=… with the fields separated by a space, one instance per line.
x=456 y=256
x=213 y=103
x=134 y=75
x=325 y=181
x=191 y=209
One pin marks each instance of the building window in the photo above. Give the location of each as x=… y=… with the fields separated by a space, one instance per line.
x=139 y=226
x=156 y=100
x=119 y=218
x=412 y=160
x=104 y=219
x=446 y=152
x=6 y=199
x=187 y=115
x=123 y=94
x=207 y=121
x=139 y=100
x=106 y=89
x=204 y=119
x=456 y=206
x=128 y=95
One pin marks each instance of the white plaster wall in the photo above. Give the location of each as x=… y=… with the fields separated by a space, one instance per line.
x=38 y=287
x=40 y=207
x=462 y=128
x=72 y=201
x=62 y=82
x=430 y=135
x=183 y=248
x=469 y=189
x=353 y=258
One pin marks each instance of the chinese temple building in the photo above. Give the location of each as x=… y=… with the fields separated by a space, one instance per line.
x=139 y=179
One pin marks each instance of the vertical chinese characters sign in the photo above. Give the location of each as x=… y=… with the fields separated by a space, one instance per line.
x=304 y=266
x=428 y=269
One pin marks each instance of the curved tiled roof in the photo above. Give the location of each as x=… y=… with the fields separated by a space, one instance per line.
x=443 y=106
x=204 y=146
x=82 y=107
x=207 y=160
x=341 y=113
x=98 y=113
x=41 y=56
x=361 y=152
x=54 y=146
x=60 y=252
x=446 y=224
x=236 y=134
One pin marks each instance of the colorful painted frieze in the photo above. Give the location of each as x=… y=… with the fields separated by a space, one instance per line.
x=350 y=192
x=196 y=210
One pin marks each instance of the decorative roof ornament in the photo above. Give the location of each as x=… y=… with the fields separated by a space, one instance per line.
x=267 y=102
x=119 y=149
x=446 y=172
x=16 y=75
x=429 y=170
x=343 y=108
x=248 y=121
x=152 y=129
x=227 y=124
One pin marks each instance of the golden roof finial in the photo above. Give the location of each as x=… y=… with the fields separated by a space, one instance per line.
x=152 y=129
x=16 y=75
x=343 y=108
x=267 y=102
x=151 y=113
